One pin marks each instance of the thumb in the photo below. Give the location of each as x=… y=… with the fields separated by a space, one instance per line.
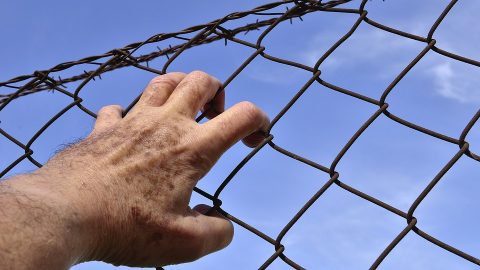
x=210 y=229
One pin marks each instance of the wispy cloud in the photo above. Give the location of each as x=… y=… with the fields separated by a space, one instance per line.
x=366 y=45
x=460 y=83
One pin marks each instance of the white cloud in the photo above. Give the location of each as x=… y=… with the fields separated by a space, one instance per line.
x=367 y=44
x=460 y=83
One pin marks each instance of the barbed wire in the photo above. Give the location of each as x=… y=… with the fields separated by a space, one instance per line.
x=215 y=31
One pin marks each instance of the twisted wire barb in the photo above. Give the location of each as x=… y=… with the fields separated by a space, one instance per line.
x=214 y=31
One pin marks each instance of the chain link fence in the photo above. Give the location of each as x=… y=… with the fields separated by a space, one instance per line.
x=264 y=18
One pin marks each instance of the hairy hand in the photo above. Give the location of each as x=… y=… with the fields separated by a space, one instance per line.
x=130 y=181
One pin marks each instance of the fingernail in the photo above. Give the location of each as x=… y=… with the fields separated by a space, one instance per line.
x=202 y=209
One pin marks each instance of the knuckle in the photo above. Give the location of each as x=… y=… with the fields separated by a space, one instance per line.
x=177 y=74
x=204 y=78
x=251 y=111
x=157 y=79
x=200 y=74
x=196 y=93
x=110 y=109
x=163 y=80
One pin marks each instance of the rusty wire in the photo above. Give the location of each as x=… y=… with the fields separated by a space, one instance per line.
x=215 y=31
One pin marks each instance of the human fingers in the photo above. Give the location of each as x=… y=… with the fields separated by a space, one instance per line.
x=160 y=88
x=209 y=231
x=244 y=120
x=192 y=93
x=107 y=117
x=216 y=106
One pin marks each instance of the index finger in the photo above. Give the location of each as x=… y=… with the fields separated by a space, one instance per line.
x=192 y=93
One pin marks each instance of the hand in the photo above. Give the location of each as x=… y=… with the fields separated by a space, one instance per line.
x=130 y=181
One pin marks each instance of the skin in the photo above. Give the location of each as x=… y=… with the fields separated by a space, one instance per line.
x=122 y=194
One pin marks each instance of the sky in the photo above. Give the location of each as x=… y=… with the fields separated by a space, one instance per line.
x=389 y=161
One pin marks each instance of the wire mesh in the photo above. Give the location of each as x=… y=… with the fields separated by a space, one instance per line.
x=216 y=31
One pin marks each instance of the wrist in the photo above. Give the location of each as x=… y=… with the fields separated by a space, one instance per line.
x=91 y=205
x=52 y=218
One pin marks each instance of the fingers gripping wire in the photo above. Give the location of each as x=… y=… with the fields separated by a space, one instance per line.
x=263 y=18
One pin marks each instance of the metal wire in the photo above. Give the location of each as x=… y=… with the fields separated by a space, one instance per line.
x=215 y=31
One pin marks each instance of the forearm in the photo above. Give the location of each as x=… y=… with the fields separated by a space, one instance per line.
x=38 y=229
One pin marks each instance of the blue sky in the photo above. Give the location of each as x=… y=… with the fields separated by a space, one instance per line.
x=389 y=161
